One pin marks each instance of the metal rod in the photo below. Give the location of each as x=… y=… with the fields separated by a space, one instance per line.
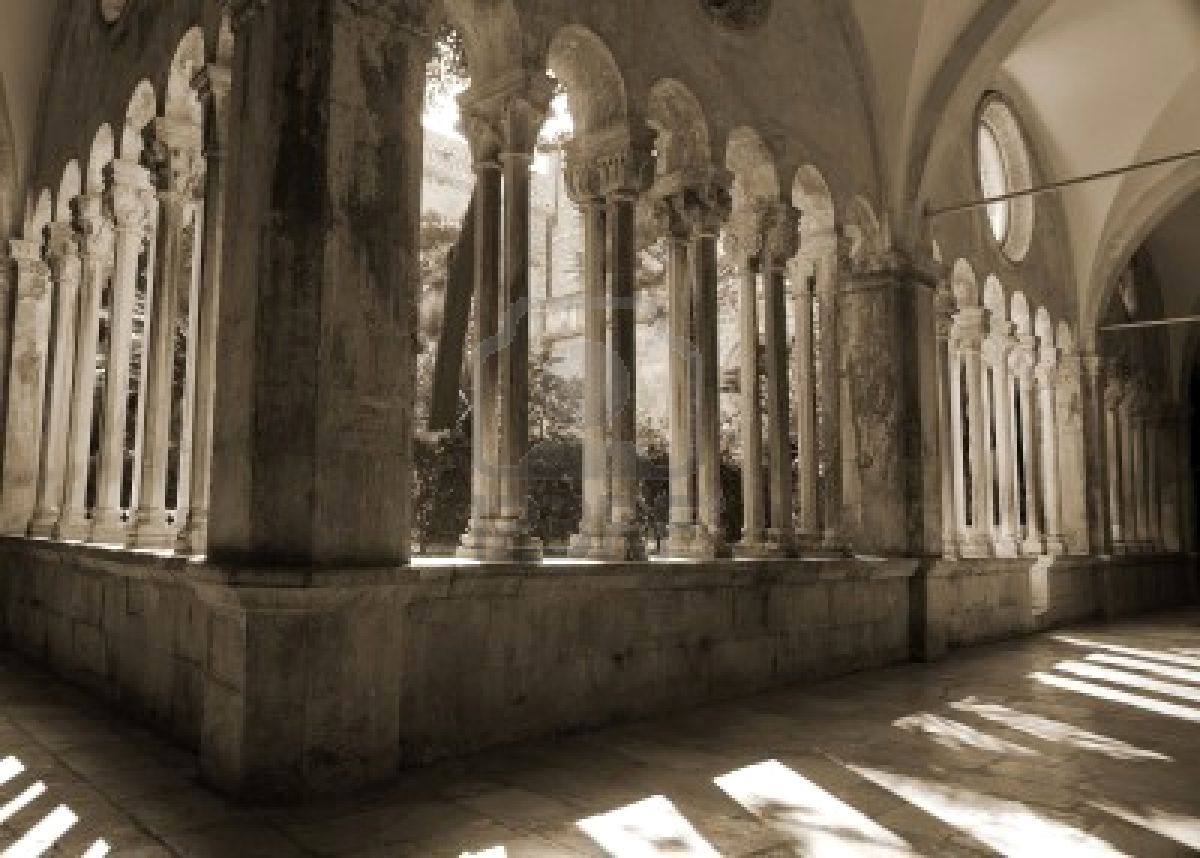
x=1065 y=183
x=1152 y=323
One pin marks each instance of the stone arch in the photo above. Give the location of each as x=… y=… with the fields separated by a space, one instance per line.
x=964 y=284
x=40 y=213
x=141 y=111
x=1019 y=313
x=674 y=113
x=993 y=298
x=102 y=152
x=223 y=54
x=491 y=34
x=1043 y=328
x=752 y=165
x=811 y=195
x=181 y=100
x=863 y=230
x=587 y=69
x=69 y=188
x=997 y=117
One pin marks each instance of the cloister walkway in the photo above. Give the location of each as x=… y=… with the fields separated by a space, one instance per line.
x=1078 y=742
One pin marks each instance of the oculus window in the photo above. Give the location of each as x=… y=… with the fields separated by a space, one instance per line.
x=1004 y=167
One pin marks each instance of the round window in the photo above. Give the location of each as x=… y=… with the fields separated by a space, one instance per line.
x=1004 y=168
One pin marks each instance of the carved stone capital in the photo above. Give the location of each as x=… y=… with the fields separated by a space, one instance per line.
x=127 y=184
x=241 y=12
x=699 y=198
x=175 y=152
x=62 y=251
x=26 y=254
x=213 y=83
x=781 y=222
x=1022 y=357
x=95 y=228
x=503 y=115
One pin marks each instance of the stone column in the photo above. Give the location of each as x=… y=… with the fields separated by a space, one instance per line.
x=97 y=250
x=26 y=387
x=597 y=504
x=996 y=348
x=782 y=240
x=1171 y=479
x=827 y=270
x=183 y=457
x=1187 y=503
x=808 y=522
x=212 y=83
x=669 y=213
x=127 y=182
x=484 y=137
x=968 y=334
x=1141 y=469
x=1022 y=363
x=65 y=270
x=314 y=373
x=888 y=340
x=176 y=149
x=1048 y=475
x=622 y=374
x=1153 y=475
x=707 y=209
x=1129 y=470
x=1092 y=448
x=1114 y=436
x=949 y=423
x=7 y=295
x=754 y=535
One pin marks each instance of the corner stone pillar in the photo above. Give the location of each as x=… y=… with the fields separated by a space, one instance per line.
x=65 y=268
x=1002 y=458
x=753 y=541
x=888 y=343
x=1093 y=450
x=968 y=337
x=1115 y=460
x=311 y=468
x=782 y=242
x=1049 y=476
x=26 y=388
x=949 y=424
x=1022 y=364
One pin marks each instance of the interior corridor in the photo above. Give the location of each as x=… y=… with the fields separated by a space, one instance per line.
x=1076 y=742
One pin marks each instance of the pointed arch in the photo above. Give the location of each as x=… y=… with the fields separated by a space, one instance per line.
x=1019 y=313
x=41 y=210
x=141 y=111
x=69 y=188
x=674 y=113
x=993 y=298
x=181 y=100
x=811 y=195
x=1043 y=327
x=595 y=88
x=752 y=164
x=102 y=152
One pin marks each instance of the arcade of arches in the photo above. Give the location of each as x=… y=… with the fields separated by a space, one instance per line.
x=885 y=432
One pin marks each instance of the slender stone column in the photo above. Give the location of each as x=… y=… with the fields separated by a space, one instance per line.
x=147 y=271
x=127 y=182
x=1022 y=365
x=26 y=387
x=187 y=407
x=949 y=423
x=669 y=212
x=1187 y=503
x=808 y=522
x=1114 y=435
x=1129 y=517
x=65 y=268
x=996 y=348
x=1141 y=474
x=753 y=514
x=176 y=148
x=1047 y=477
x=1170 y=459
x=968 y=326
x=782 y=240
x=707 y=209
x=958 y=446
x=7 y=294
x=97 y=250
x=1089 y=446
x=827 y=270
x=597 y=505
x=485 y=347
x=1153 y=476
x=212 y=83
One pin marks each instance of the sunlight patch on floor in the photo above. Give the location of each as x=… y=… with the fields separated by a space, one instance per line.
x=1009 y=827
x=42 y=836
x=1169 y=657
x=1182 y=674
x=958 y=736
x=1133 y=680
x=820 y=824
x=1150 y=704
x=1173 y=826
x=1050 y=730
x=646 y=829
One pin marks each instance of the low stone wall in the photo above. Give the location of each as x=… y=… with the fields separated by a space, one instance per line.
x=292 y=684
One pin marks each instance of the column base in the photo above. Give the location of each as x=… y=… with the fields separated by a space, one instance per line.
x=1005 y=546
x=758 y=546
x=1056 y=545
x=1033 y=546
x=45 y=523
x=193 y=536
x=153 y=530
x=614 y=546
x=975 y=547
x=494 y=542
x=110 y=528
x=950 y=547
x=14 y=522
x=74 y=526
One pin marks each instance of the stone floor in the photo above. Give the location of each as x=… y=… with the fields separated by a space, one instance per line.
x=1084 y=742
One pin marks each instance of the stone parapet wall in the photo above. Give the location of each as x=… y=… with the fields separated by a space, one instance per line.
x=294 y=684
